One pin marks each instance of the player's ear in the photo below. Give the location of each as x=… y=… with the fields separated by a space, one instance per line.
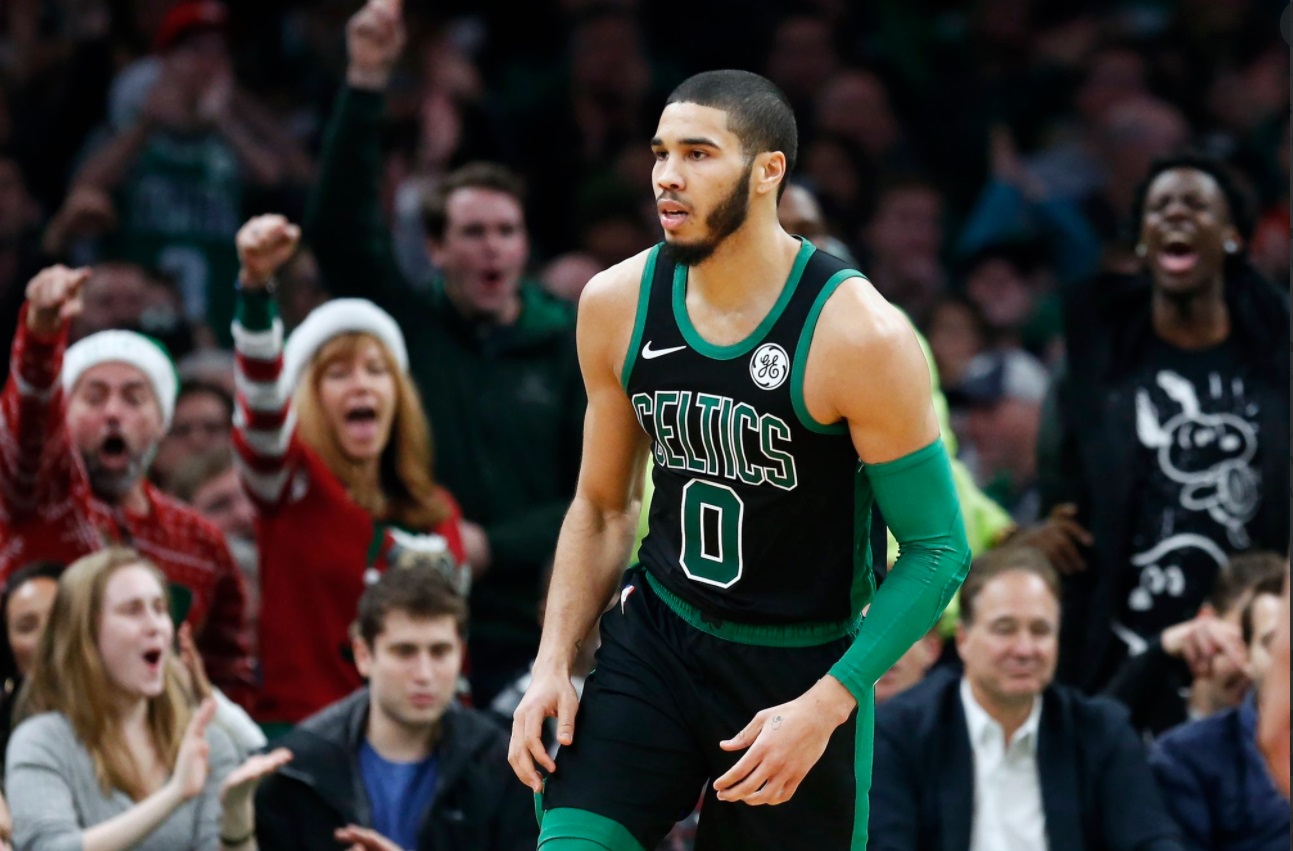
x=769 y=172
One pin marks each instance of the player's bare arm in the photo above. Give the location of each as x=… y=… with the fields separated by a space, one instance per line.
x=598 y=529
x=865 y=366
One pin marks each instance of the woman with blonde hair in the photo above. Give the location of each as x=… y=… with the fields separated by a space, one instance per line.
x=110 y=755
x=333 y=446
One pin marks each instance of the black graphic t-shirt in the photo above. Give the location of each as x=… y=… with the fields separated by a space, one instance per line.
x=1197 y=483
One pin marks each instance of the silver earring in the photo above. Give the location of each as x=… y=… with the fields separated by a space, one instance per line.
x=1142 y=250
x=1231 y=246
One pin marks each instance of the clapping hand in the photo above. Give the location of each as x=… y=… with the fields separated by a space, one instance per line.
x=242 y=781
x=193 y=762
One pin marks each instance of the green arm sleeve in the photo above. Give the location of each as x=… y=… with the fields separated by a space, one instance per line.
x=985 y=522
x=918 y=498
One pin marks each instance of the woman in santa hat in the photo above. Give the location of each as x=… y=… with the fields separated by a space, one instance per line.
x=334 y=447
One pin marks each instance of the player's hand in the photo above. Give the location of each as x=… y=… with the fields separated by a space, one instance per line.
x=1058 y=538
x=784 y=744
x=549 y=695
x=264 y=244
x=1208 y=645
x=54 y=297
x=374 y=39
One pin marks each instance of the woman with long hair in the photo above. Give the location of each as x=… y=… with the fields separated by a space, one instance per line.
x=110 y=755
x=334 y=448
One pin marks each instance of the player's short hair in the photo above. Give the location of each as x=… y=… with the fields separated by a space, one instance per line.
x=473 y=175
x=1269 y=585
x=1235 y=581
x=1007 y=559
x=420 y=590
x=758 y=113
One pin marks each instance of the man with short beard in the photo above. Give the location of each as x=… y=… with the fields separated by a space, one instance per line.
x=79 y=427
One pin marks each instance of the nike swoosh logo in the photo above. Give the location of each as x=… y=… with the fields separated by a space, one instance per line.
x=649 y=353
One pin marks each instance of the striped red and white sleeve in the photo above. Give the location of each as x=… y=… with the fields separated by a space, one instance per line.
x=36 y=462
x=264 y=422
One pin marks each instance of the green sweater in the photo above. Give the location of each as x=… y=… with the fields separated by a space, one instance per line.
x=506 y=405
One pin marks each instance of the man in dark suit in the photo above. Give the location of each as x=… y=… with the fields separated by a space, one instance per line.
x=1000 y=759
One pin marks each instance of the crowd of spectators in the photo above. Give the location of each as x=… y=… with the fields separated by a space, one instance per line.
x=292 y=382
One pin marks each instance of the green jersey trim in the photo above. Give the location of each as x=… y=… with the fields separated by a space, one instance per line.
x=863 y=750
x=639 y=321
x=800 y=360
x=736 y=350
x=760 y=635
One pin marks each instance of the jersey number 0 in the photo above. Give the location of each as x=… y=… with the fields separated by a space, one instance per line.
x=712 y=520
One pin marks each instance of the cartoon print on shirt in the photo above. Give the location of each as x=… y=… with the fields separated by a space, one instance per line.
x=1209 y=454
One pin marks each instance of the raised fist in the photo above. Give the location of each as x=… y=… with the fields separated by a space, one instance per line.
x=374 y=39
x=264 y=244
x=54 y=297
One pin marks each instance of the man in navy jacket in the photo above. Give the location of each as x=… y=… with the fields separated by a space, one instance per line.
x=1212 y=774
x=1001 y=758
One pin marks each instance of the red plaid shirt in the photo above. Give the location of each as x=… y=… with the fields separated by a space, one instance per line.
x=47 y=511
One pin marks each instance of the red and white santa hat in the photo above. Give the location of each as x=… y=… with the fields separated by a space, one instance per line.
x=337 y=317
x=143 y=353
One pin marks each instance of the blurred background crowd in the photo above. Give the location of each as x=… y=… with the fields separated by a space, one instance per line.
x=1000 y=169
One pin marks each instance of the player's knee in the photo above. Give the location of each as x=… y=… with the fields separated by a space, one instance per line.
x=570 y=829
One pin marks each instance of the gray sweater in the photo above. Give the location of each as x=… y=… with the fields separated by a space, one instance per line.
x=54 y=796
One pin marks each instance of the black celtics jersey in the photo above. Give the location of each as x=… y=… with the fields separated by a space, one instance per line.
x=759 y=513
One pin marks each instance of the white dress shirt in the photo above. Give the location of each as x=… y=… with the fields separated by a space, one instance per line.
x=1008 y=814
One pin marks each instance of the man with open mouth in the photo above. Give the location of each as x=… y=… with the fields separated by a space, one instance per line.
x=79 y=428
x=1168 y=440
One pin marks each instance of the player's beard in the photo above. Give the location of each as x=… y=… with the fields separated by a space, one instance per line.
x=112 y=486
x=723 y=221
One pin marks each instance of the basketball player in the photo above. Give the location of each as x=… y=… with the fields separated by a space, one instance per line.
x=775 y=396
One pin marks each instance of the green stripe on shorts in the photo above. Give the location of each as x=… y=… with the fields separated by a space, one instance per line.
x=569 y=828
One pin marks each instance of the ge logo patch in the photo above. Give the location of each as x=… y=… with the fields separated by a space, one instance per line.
x=769 y=366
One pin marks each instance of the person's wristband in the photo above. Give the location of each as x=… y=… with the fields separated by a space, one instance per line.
x=234 y=843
